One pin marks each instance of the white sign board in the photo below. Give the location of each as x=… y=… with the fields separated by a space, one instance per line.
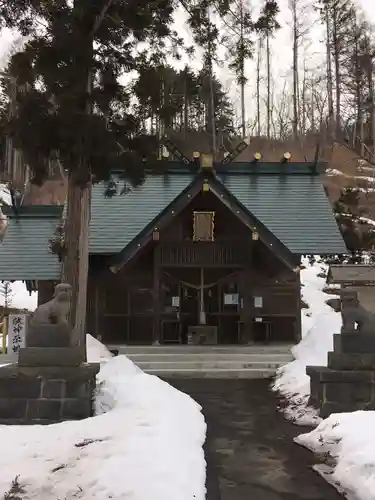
x=176 y=301
x=17 y=324
x=230 y=299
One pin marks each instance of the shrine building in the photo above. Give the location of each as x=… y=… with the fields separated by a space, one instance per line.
x=213 y=246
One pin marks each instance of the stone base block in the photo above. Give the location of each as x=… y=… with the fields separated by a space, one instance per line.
x=202 y=335
x=336 y=391
x=344 y=361
x=45 y=395
x=50 y=356
x=49 y=336
x=354 y=343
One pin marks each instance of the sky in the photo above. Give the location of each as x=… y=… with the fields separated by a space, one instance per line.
x=20 y=297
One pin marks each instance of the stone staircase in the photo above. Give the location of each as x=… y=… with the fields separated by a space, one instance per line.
x=209 y=361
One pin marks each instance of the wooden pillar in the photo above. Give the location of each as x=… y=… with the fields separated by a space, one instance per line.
x=248 y=306
x=97 y=311
x=298 y=332
x=156 y=296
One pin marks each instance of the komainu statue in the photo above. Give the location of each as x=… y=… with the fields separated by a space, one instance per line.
x=56 y=311
x=355 y=318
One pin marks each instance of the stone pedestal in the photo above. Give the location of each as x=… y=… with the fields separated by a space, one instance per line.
x=348 y=382
x=202 y=335
x=45 y=394
x=50 y=383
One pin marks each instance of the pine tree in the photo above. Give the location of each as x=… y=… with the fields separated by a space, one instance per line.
x=240 y=39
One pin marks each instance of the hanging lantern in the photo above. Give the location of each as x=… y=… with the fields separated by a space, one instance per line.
x=286 y=157
x=255 y=236
x=155 y=235
x=111 y=189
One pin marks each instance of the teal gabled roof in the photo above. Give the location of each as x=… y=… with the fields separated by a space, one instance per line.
x=295 y=209
x=117 y=220
x=288 y=199
x=24 y=251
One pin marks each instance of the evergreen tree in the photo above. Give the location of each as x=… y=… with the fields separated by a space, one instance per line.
x=240 y=28
x=181 y=99
x=70 y=104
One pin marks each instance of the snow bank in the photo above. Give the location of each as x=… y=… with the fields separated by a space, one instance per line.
x=319 y=323
x=349 y=439
x=96 y=351
x=144 y=444
x=5 y=197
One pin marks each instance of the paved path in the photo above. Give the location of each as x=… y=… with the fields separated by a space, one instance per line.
x=249 y=450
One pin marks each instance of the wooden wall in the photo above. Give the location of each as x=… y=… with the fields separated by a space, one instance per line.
x=121 y=305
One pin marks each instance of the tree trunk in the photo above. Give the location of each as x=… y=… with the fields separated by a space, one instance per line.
x=372 y=113
x=358 y=82
x=258 y=86
x=76 y=262
x=303 y=104
x=242 y=76
x=295 y=70
x=186 y=106
x=336 y=54
x=329 y=75
x=212 y=112
x=268 y=86
x=212 y=97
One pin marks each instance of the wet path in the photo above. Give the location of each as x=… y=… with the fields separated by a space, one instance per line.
x=250 y=450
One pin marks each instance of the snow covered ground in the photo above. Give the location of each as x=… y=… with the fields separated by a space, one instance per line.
x=349 y=439
x=346 y=439
x=319 y=323
x=145 y=443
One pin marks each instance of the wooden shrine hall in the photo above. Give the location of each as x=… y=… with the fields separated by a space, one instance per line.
x=203 y=252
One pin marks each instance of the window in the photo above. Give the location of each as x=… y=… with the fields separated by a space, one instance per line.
x=258 y=302
x=203 y=228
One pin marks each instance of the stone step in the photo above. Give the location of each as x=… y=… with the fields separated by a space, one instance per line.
x=207 y=365
x=249 y=373
x=7 y=358
x=210 y=357
x=186 y=349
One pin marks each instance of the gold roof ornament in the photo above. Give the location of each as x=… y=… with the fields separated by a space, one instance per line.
x=196 y=155
x=287 y=156
x=207 y=161
x=257 y=156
